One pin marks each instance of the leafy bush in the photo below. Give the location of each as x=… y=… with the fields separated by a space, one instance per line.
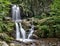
x=4 y=7
x=55 y=8
x=49 y=28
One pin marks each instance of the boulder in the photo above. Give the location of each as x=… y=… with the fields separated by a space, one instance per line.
x=34 y=37
x=7 y=18
x=12 y=44
x=3 y=43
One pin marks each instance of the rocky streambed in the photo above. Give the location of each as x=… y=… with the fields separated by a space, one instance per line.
x=40 y=42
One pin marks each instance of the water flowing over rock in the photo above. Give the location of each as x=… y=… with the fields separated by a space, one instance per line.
x=16 y=13
x=17 y=31
x=20 y=31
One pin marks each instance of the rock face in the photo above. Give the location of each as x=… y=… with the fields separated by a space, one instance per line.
x=2 y=43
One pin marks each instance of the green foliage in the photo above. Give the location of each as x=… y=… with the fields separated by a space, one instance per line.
x=49 y=28
x=4 y=11
x=5 y=37
x=42 y=9
x=4 y=8
x=55 y=7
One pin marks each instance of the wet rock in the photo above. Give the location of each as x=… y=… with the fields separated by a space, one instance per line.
x=25 y=22
x=34 y=37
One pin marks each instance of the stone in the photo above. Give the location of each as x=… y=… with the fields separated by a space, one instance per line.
x=7 y=18
x=34 y=36
x=12 y=44
x=33 y=44
x=16 y=44
x=3 y=43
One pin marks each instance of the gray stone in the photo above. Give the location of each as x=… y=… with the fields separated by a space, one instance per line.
x=2 y=43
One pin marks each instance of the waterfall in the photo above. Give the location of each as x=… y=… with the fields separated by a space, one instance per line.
x=16 y=17
x=17 y=31
x=22 y=31
x=13 y=12
x=31 y=31
x=16 y=13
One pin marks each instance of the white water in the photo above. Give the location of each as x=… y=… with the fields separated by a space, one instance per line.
x=22 y=31
x=13 y=12
x=31 y=31
x=16 y=13
x=19 y=29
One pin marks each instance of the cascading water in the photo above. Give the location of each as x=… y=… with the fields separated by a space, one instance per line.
x=16 y=18
x=22 y=31
x=16 y=13
x=19 y=30
x=31 y=31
